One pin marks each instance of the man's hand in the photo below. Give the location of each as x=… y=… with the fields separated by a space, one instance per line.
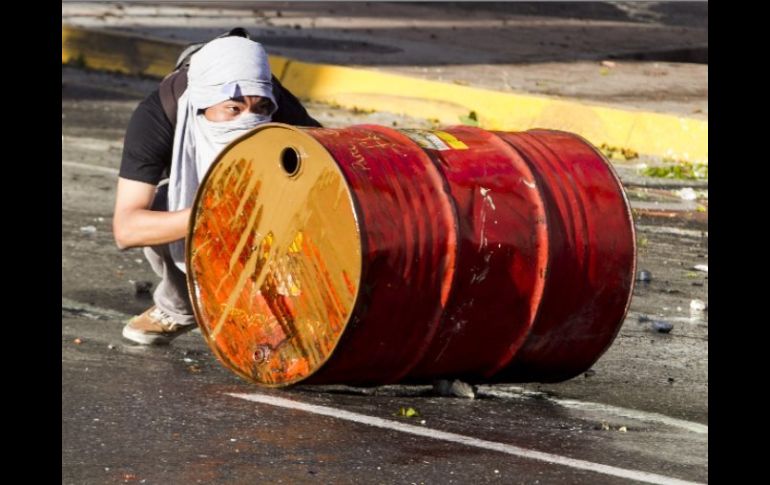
x=134 y=224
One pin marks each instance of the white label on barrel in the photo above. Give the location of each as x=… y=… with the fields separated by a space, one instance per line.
x=426 y=139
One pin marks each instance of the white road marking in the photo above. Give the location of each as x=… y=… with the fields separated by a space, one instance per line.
x=672 y=230
x=91 y=144
x=520 y=393
x=85 y=308
x=461 y=439
x=88 y=166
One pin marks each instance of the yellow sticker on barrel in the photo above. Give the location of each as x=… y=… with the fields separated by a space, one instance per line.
x=434 y=140
x=451 y=140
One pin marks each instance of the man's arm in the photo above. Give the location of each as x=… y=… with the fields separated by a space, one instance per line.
x=134 y=224
x=147 y=152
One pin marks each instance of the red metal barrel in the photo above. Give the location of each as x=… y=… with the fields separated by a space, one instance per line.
x=369 y=255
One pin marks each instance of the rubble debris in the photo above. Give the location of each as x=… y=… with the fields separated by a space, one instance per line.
x=457 y=388
x=142 y=287
x=698 y=305
x=662 y=326
x=644 y=276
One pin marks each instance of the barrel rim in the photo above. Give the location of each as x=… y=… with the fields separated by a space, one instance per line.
x=632 y=224
x=188 y=249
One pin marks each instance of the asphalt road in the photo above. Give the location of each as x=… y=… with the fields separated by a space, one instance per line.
x=173 y=414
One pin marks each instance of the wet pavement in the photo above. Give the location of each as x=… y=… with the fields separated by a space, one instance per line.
x=133 y=414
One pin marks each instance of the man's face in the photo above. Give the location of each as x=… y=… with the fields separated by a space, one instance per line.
x=233 y=108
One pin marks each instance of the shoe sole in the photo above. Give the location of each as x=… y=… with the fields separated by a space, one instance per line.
x=153 y=338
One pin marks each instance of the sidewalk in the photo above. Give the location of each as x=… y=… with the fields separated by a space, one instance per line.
x=513 y=70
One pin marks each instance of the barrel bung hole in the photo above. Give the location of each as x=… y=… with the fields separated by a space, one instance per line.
x=290 y=161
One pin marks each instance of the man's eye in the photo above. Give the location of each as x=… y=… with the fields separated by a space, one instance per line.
x=234 y=109
x=262 y=109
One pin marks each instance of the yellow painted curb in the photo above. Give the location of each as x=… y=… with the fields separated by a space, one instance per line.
x=662 y=135
x=117 y=52
x=654 y=134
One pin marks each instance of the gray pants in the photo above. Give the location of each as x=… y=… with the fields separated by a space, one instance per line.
x=171 y=294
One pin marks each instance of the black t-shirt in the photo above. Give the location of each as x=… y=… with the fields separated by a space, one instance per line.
x=149 y=139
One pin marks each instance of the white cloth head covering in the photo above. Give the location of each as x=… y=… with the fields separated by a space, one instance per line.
x=224 y=68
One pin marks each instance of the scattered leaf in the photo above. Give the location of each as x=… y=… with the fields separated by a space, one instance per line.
x=471 y=120
x=408 y=412
x=681 y=171
x=618 y=153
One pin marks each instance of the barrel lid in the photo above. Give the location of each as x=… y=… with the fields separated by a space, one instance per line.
x=274 y=255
